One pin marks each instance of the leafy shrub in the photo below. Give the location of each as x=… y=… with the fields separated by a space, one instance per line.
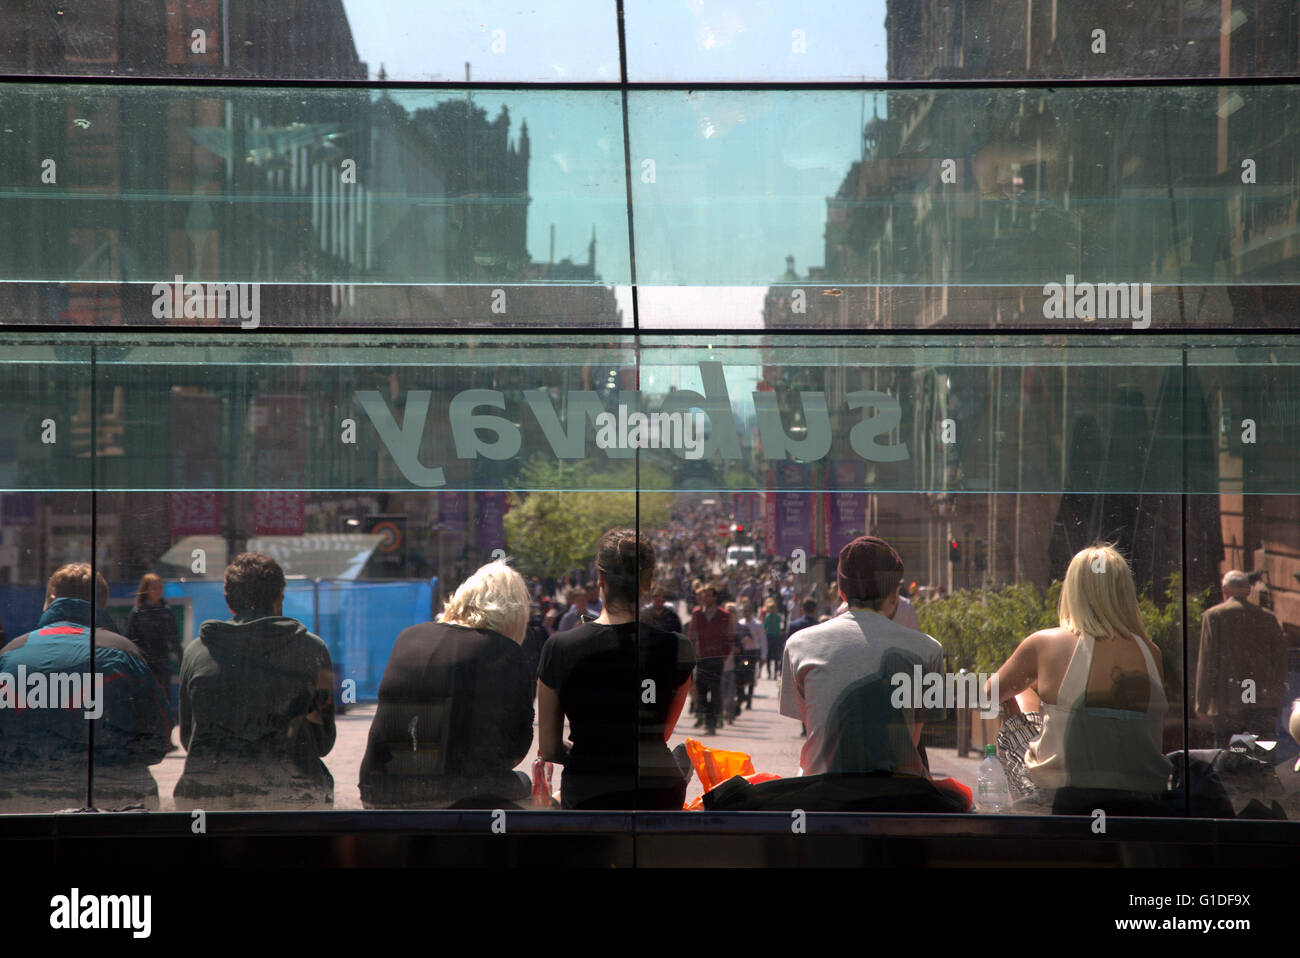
x=979 y=630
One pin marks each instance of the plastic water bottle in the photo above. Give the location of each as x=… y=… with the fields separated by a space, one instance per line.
x=542 y=781
x=992 y=795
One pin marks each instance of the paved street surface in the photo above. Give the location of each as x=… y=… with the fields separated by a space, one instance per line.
x=772 y=741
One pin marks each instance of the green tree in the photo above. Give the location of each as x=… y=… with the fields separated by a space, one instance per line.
x=555 y=527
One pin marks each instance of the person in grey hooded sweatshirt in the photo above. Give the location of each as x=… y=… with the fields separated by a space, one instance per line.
x=256 y=702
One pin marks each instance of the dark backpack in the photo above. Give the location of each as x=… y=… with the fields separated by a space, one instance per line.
x=1226 y=783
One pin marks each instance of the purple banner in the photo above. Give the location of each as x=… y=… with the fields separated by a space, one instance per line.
x=451 y=512
x=846 y=505
x=490 y=513
x=744 y=508
x=794 y=511
x=18 y=508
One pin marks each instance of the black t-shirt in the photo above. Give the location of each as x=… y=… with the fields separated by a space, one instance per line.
x=599 y=672
x=665 y=619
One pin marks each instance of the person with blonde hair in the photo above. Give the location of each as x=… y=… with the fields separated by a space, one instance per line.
x=455 y=712
x=773 y=629
x=1100 y=682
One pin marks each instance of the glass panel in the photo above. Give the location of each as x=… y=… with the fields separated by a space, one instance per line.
x=496 y=41
x=1243 y=627
x=48 y=685
x=961 y=206
x=141 y=185
x=987 y=464
x=988 y=468
x=840 y=40
x=379 y=476
x=357 y=306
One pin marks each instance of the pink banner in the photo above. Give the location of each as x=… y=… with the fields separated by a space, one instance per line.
x=195 y=465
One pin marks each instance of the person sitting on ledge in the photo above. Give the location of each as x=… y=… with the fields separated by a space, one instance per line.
x=455 y=711
x=256 y=702
x=45 y=741
x=1100 y=682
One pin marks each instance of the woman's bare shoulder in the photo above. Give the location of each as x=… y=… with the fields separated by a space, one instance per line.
x=1052 y=637
x=1151 y=647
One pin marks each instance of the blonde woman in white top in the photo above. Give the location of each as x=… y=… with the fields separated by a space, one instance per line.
x=1100 y=681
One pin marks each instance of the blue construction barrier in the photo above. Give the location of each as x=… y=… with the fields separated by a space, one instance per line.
x=358 y=619
x=20 y=608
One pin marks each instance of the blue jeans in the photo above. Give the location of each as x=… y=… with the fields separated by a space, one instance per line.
x=708 y=690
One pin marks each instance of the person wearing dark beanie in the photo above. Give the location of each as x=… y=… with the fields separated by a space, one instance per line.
x=836 y=674
x=869 y=573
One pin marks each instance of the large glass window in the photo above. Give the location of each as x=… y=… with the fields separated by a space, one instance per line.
x=552 y=368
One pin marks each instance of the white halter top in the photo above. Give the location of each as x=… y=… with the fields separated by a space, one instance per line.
x=1084 y=747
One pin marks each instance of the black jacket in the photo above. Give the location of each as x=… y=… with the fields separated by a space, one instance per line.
x=247 y=687
x=455 y=717
x=153 y=628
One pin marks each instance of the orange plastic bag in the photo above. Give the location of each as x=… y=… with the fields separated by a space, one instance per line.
x=954 y=787
x=713 y=766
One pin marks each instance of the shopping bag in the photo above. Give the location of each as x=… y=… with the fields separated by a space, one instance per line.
x=714 y=766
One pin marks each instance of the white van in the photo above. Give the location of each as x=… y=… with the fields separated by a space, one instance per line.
x=741 y=556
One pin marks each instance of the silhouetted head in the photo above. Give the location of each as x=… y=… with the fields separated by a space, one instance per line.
x=626 y=566
x=77 y=581
x=254 y=583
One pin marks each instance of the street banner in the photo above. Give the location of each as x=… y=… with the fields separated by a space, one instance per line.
x=194 y=443
x=846 y=505
x=489 y=524
x=279 y=465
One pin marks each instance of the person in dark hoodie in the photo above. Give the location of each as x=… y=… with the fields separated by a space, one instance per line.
x=256 y=702
x=50 y=694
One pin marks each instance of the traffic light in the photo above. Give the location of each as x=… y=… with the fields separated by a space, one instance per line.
x=954 y=551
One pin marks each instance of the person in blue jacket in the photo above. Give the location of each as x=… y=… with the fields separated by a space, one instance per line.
x=54 y=687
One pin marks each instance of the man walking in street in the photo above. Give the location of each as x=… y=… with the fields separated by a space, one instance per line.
x=1241 y=665
x=579 y=603
x=808 y=618
x=713 y=636
x=660 y=614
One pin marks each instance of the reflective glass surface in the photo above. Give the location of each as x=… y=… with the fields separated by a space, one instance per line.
x=913 y=40
x=498 y=41
x=524 y=454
